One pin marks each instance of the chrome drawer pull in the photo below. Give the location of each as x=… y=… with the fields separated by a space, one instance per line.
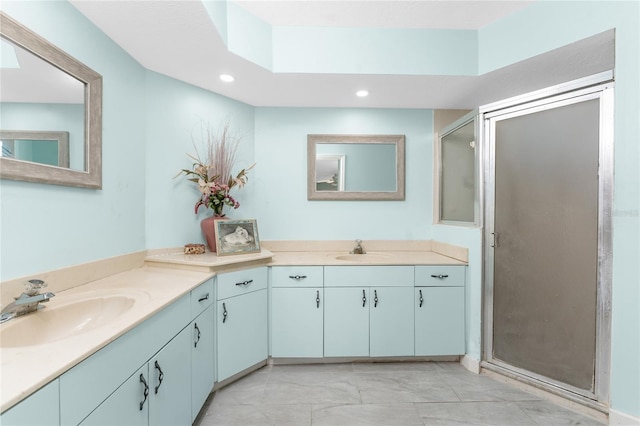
x=297 y=277
x=245 y=282
x=318 y=299
x=440 y=276
x=203 y=298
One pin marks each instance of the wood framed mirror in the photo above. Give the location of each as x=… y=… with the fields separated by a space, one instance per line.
x=355 y=167
x=24 y=94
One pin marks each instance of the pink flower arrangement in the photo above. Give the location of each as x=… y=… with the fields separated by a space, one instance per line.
x=213 y=176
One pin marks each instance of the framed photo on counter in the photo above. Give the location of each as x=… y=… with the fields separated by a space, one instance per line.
x=237 y=237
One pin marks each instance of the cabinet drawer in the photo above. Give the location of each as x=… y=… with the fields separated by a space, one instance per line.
x=296 y=276
x=201 y=298
x=240 y=282
x=440 y=276
x=366 y=276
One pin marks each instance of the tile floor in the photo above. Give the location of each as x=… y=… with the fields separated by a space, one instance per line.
x=430 y=393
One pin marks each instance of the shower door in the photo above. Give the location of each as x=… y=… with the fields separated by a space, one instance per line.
x=547 y=255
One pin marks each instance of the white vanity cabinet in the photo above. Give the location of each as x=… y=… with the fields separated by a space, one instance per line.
x=40 y=409
x=297 y=311
x=241 y=321
x=439 y=310
x=156 y=394
x=202 y=346
x=159 y=373
x=368 y=311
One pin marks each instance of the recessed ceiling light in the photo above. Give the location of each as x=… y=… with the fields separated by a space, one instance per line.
x=362 y=93
x=226 y=78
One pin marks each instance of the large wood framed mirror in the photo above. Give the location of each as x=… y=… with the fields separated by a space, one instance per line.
x=43 y=89
x=355 y=167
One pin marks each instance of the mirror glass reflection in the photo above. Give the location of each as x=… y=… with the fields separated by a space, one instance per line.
x=356 y=167
x=36 y=96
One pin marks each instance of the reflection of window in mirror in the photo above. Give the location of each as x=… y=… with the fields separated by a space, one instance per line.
x=457 y=184
x=49 y=148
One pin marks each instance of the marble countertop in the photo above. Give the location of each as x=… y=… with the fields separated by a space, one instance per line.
x=27 y=368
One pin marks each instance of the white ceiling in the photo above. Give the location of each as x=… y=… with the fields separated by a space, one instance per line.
x=178 y=39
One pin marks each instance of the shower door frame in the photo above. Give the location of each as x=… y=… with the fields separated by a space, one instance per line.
x=599 y=86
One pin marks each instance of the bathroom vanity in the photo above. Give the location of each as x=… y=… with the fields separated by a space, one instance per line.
x=195 y=323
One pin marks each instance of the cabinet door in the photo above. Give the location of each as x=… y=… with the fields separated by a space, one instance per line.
x=40 y=409
x=242 y=332
x=346 y=321
x=128 y=405
x=296 y=322
x=439 y=321
x=89 y=383
x=170 y=386
x=202 y=357
x=391 y=321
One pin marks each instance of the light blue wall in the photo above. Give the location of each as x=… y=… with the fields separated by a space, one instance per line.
x=282 y=208
x=46 y=227
x=175 y=112
x=375 y=51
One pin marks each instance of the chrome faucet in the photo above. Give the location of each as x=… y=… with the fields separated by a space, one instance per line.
x=358 y=249
x=29 y=301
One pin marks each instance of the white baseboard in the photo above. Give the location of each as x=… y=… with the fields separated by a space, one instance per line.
x=470 y=364
x=616 y=418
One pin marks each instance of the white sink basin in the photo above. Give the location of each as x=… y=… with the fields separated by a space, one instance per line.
x=368 y=257
x=65 y=319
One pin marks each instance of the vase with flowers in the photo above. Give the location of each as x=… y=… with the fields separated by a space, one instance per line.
x=213 y=175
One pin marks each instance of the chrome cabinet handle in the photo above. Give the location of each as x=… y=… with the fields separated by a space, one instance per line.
x=160 y=376
x=245 y=283
x=318 y=299
x=364 y=298
x=224 y=313
x=203 y=298
x=421 y=299
x=440 y=276
x=195 y=326
x=375 y=298
x=297 y=277
x=146 y=391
